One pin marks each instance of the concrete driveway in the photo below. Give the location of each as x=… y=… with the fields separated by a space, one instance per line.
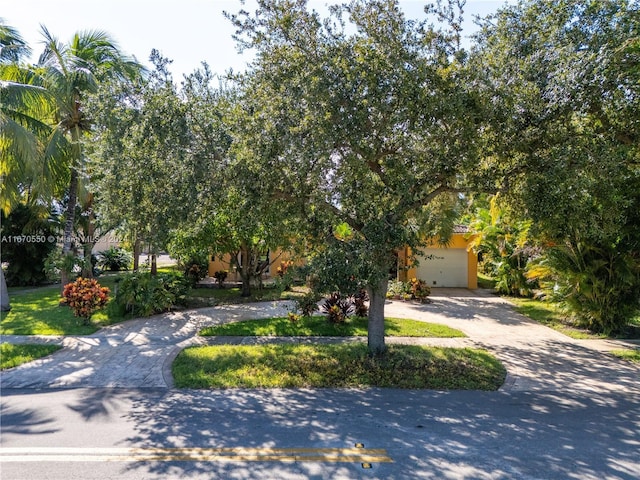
x=100 y=409
x=138 y=353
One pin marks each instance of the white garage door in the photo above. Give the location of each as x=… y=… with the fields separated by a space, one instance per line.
x=444 y=267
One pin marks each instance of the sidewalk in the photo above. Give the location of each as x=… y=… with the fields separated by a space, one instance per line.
x=139 y=353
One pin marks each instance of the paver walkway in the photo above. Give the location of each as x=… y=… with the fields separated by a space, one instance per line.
x=138 y=353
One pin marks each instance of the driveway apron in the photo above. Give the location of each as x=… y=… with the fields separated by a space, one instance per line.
x=138 y=353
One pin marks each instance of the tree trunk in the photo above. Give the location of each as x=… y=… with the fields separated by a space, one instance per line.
x=245 y=271
x=89 y=242
x=137 y=251
x=375 y=329
x=70 y=216
x=154 y=265
x=5 y=304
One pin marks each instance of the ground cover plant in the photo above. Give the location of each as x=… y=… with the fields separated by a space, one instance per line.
x=14 y=355
x=336 y=366
x=319 y=326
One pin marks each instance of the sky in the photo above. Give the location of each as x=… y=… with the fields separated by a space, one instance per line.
x=186 y=31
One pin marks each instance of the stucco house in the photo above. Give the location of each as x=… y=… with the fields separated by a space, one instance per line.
x=453 y=265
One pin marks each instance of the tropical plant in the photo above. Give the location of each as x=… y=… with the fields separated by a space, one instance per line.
x=419 y=290
x=360 y=308
x=221 y=276
x=69 y=72
x=337 y=308
x=307 y=304
x=85 y=296
x=505 y=248
x=115 y=259
x=597 y=284
x=26 y=243
x=143 y=294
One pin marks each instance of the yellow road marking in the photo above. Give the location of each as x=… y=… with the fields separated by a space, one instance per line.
x=224 y=454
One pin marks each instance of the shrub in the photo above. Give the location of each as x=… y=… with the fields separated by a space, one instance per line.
x=307 y=304
x=85 y=296
x=115 y=259
x=419 y=290
x=359 y=305
x=221 y=276
x=142 y=294
x=195 y=270
x=414 y=289
x=398 y=289
x=597 y=284
x=284 y=266
x=337 y=308
x=26 y=243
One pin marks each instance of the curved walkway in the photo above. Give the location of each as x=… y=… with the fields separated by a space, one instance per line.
x=138 y=353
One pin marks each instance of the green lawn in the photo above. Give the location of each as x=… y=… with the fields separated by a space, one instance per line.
x=549 y=314
x=319 y=326
x=39 y=312
x=14 y=355
x=338 y=366
x=630 y=355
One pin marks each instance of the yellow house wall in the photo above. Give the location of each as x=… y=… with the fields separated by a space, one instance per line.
x=457 y=241
x=223 y=262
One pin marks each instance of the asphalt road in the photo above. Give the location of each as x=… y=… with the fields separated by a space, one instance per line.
x=89 y=434
x=568 y=410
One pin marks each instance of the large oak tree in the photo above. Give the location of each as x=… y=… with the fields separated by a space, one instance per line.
x=364 y=119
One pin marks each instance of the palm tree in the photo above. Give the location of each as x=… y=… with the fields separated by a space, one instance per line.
x=70 y=72
x=12 y=46
x=17 y=138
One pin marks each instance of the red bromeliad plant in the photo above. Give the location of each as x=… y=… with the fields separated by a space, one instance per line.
x=85 y=296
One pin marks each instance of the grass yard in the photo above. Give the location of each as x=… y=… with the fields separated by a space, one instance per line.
x=549 y=314
x=336 y=366
x=630 y=355
x=38 y=312
x=319 y=326
x=14 y=355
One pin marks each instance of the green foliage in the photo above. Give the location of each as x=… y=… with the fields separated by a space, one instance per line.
x=115 y=259
x=505 y=247
x=56 y=262
x=336 y=366
x=307 y=304
x=414 y=289
x=565 y=92
x=143 y=294
x=364 y=127
x=85 y=296
x=26 y=242
x=196 y=269
x=629 y=355
x=598 y=284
